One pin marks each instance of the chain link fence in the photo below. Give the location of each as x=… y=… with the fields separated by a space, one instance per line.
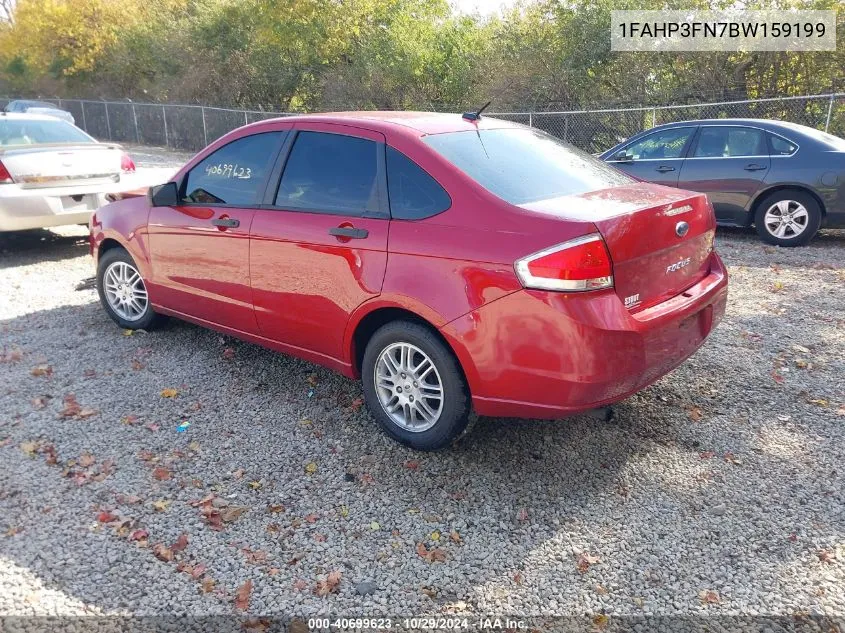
x=190 y=127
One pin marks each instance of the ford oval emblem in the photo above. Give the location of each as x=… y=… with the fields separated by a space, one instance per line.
x=681 y=229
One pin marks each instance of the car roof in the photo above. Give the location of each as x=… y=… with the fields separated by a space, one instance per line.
x=28 y=116
x=423 y=123
x=762 y=123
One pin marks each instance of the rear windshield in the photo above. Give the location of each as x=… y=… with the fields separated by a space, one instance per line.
x=35 y=131
x=521 y=165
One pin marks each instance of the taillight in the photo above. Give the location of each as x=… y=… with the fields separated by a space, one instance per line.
x=5 y=176
x=576 y=265
x=126 y=163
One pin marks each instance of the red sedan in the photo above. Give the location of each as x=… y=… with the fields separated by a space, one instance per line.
x=453 y=263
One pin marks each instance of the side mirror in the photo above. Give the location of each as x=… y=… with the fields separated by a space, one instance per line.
x=166 y=195
x=623 y=156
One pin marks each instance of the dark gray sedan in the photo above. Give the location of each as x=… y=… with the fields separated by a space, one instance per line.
x=787 y=180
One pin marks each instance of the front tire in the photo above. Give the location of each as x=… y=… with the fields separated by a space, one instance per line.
x=788 y=218
x=123 y=293
x=414 y=386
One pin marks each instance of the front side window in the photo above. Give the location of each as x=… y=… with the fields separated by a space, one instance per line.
x=234 y=173
x=522 y=165
x=727 y=142
x=413 y=193
x=331 y=173
x=663 y=144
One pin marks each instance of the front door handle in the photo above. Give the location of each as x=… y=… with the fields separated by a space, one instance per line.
x=226 y=223
x=754 y=167
x=664 y=168
x=349 y=232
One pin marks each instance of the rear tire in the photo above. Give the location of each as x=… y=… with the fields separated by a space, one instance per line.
x=123 y=293
x=789 y=217
x=414 y=386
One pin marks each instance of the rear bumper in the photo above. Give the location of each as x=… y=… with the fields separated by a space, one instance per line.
x=35 y=210
x=548 y=355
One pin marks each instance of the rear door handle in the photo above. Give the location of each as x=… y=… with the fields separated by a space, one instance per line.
x=349 y=232
x=229 y=223
x=664 y=168
x=754 y=167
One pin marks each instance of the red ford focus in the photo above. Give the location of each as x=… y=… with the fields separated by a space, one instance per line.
x=453 y=264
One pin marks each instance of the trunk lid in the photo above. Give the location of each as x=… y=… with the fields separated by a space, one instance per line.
x=62 y=165
x=642 y=225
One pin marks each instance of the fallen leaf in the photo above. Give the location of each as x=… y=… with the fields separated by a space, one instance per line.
x=826 y=556
x=454 y=536
x=29 y=448
x=181 y=543
x=228 y=353
x=137 y=365
x=256 y=557
x=412 y=465
x=242 y=596
x=41 y=370
x=601 y=590
x=518 y=578
x=128 y=332
x=238 y=474
x=162 y=552
x=86 y=460
x=40 y=402
x=695 y=414
x=778 y=286
x=300 y=584
x=522 y=515
x=107 y=517
x=708 y=596
x=296 y=558
x=129 y=419
x=255 y=485
x=139 y=535
x=310 y=468
x=777 y=377
x=706 y=454
x=161 y=473
x=584 y=561
x=601 y=620
x=320 y=538
x=820 y=402
x=12 y=356
x=732 y=459
x=161 y=505
x=435 y=536
x=169 y=393
x=312 y=518
x=273 y=571
x=329 y=585
x=207 y=585
x=232 y=513
x=431 y=592
x=71 y=408
x=86 y=412
x=433 y=555
x=356 y=404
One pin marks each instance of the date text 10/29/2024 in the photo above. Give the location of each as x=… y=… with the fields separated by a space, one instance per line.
x=421 y=623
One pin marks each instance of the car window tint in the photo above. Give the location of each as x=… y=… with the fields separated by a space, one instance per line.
x=413 y=193
x=522 y=165
x=725 y=142
x=330 y=173
x=35 y=131
x=662 y=144
x=233 y=173
x=781 y=146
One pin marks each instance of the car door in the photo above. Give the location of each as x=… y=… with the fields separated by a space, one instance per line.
x=728 y=163
x=319 y=248
x=200 y=248
x=656 y=157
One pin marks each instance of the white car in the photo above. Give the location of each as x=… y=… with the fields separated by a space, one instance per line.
x=52 y=173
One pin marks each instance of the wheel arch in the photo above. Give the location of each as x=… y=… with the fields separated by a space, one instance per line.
x=765 y=193
x=366 y=321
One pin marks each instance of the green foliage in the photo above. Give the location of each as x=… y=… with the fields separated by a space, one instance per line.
x=388 y=54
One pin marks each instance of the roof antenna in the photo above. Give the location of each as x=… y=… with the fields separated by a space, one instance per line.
x=474 y=116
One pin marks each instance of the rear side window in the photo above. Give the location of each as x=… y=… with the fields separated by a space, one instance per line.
x=781 y=146
x=726 y=142
x=331 y=173
x=522 y=165
x=413 y=193
x=234 y=173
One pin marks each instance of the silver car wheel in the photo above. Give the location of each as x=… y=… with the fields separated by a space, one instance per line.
x=125 y=291
x=786 y=219
x=408 y=386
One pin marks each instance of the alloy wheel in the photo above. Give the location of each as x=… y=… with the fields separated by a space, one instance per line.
x=408 y=386
x=786 y=219
x=125 y=291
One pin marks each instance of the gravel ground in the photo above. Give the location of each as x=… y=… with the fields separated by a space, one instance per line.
x=718 y=490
